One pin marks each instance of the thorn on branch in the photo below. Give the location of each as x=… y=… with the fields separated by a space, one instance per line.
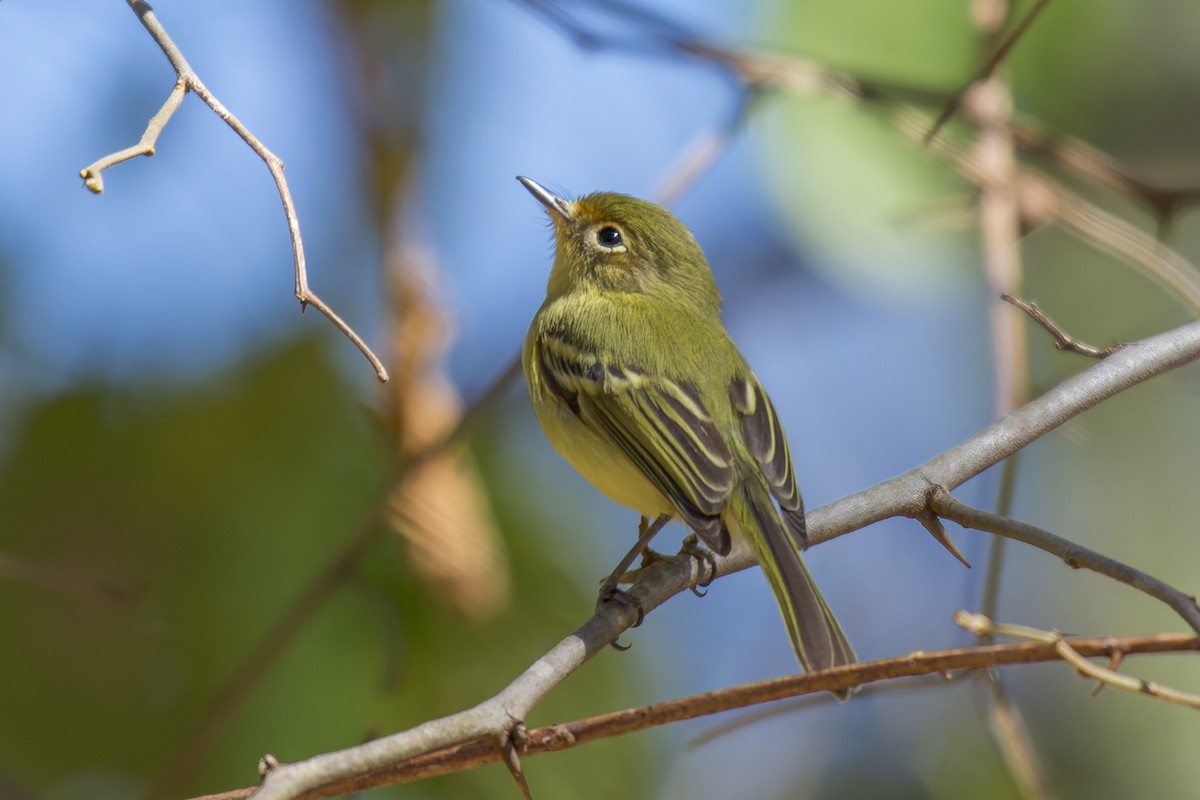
x=981 y=626
x=944 y=505
x=516 y=740
x=1062 y=340
x=933 y=524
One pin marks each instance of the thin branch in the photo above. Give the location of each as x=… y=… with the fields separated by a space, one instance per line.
x=562 y=736
x=1007 y=727
x=1074 y=555
x=1062 y=340
x=906 y=494
x=1085 y=161
x=703 y=151
x=1043 y=200
x=990 y=100
x=1068 y=651
x=187 y=81
x=989 y=594
x=92 y=175
x=67 y=581
x=989 y=66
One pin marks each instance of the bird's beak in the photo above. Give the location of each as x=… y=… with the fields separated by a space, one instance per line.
x=561 y=211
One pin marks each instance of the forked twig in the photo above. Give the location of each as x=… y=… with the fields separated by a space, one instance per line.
x=1062 y=340
x=987 y=68
x=189 y=81
x=1070 y=652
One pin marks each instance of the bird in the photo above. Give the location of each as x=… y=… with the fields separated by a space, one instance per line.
x=638 y=385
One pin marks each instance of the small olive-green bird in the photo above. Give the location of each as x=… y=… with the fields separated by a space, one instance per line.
x=636 y=383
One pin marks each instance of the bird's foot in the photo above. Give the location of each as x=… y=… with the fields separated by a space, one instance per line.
x=693 y=548
x=611 y=593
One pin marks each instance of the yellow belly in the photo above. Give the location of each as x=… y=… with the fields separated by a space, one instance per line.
x=603 y=465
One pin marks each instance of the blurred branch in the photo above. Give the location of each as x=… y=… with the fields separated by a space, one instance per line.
x=495 y=720
x=479 y=750
x=1040 y=198
x=189 y=81
x=988 y=69
x=1069 y=651
x=703 y=151
x=63 y=580
x=440 y=508
x=1006 y=724
x=1062 y=340
x=990 y=98
x=1087 y=162
x=1073 y=555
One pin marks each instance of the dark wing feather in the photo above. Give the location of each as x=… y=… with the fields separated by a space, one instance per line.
x=661 y=425
x=766 y=441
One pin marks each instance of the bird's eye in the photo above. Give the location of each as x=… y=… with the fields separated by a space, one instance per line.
x=609 y=236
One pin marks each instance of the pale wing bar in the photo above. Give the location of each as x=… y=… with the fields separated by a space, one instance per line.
x=677 y=447
x=766 y=441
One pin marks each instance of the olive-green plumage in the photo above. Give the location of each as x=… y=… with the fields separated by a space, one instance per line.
x=636 y=383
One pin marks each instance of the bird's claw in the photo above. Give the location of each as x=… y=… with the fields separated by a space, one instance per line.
x=692 y=547
x=612 y=593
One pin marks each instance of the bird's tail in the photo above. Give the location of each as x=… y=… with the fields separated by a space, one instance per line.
x=815 y=632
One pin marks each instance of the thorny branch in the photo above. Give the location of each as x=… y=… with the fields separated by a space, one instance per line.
x=1073 y=555
x=1069 y=651
x=189 y=81
x=905 y=495
x=947 y=663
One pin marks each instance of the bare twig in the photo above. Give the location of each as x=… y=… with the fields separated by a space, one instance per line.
x=187 y=81
x=1074 y=555
x=1062 y=340
x=1007 y=726
x=1085 y=161
x=989 y=66
x=561 y=736
x=703 y=151
x=989 y=99
x=1043 y=200
x=61 y=579
x=1069 y=652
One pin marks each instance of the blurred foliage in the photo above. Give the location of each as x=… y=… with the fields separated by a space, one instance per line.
x=874 y=213
x=204 y=508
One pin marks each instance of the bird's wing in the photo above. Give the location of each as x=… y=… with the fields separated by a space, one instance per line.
x=766 y=441
x=660 y=424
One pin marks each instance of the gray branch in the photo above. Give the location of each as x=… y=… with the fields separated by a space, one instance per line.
x=904 y=495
